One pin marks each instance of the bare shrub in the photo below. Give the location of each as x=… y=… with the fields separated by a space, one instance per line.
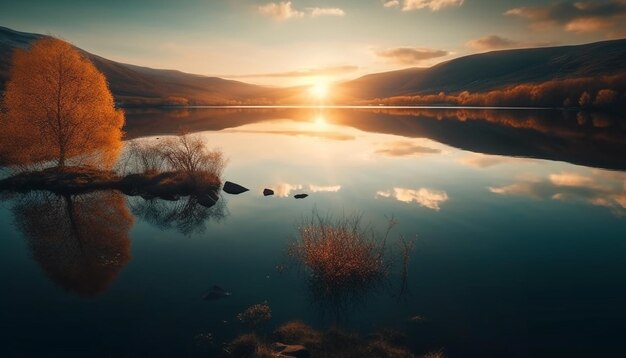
x=190 y=154
x=340 y=252
x=145 y=158
x=184 y=154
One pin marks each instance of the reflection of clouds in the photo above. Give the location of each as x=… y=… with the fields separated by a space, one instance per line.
x=482 y=160
x=404 y=149
x=428 y=198
x=322 y=188
x=478 y=160
x=599 y=188
x=571 y=179
x=283 y=190
x=304 y=133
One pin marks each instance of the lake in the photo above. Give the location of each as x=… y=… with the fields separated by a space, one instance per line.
x=519 y=218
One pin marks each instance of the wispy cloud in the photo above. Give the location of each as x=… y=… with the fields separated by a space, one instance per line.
x=495 y=42
x=428 y=198
x=324 y=188
x=284 y=190
x=322 y=71
x=584 y=16
x=410 y=55
x=391 y=3
x=433 y=5
x=405 y=149
x=477 y=160
x=280 y=11
x=326 y=11
x=285 y=10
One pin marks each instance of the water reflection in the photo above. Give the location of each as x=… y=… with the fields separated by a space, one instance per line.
x=284 y=190
x=581 y=138
x=599 y=188
x=81 y=242
x=188 y=215
x=424 y=197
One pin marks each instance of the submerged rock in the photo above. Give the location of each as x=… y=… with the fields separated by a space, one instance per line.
x=268 y=192
x=300 y=196
x=169 y=197
x=232 y=188
x=291 y=350
x=208 y=199
x=215 y=293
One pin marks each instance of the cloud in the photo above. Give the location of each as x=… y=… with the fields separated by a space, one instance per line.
x=495 y=42
x=280 y=11
x=330 y=11
x=284 y=190
x=571 y=179
x=391 y=3
x=405 y=149
x=324 y=188
x=477 y=160
x=584 y=16
x=323 y=71
x=428 y=198
x=410 y=55
x=284 y=10
x=433 y=5
x=599 y=188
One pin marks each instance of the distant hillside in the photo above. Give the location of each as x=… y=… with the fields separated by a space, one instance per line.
x=496 y=70
x=142 y=85
x=586 y=76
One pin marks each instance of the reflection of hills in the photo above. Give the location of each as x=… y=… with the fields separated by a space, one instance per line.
x=81 y=242
x=595 y=140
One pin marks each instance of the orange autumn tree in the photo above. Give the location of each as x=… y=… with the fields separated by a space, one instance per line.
x=59 y=109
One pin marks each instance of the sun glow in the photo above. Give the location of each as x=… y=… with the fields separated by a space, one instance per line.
x=319 y=90
x=320 y=122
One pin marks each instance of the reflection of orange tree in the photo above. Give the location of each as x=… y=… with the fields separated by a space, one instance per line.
x=81 y=242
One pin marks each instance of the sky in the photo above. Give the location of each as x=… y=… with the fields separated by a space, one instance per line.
x=301 y=42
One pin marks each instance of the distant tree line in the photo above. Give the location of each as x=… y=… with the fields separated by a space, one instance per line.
x=602 y=93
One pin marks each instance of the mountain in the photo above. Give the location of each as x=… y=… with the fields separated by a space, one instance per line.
x=561 y=75
x=495 y=70
x=142 y=85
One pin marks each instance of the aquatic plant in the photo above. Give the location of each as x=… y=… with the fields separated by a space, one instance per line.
x=340 y=252
x=329 y=343
x=255 y=315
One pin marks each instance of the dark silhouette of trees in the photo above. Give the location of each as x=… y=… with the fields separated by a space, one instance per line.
x=59 y=108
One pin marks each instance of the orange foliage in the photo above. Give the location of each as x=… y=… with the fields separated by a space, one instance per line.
x=59 y=108
x=605 y=92
x=81 y=242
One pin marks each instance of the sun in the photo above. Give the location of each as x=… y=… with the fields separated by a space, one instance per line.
x=319 y=90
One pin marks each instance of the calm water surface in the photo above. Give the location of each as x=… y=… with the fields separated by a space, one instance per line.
x=520 y=219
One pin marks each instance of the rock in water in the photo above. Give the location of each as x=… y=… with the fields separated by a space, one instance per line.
x=268 y=192
x=207 y=200
x=232 y=188
x=300 y=196
x=291 y=350
x=215 y=293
